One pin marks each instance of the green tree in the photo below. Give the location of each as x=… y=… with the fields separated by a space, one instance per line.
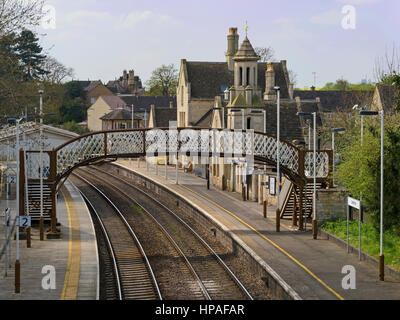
x=30 y=55
x=359 y=170
x=163 y=81
x=74 y=105
x=74 y=127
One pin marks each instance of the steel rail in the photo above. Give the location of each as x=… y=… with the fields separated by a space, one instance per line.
x=173 y=242
x=208 y=247
x=153 y=278
x=110 y=247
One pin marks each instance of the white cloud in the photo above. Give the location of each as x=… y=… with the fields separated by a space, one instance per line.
x=83 y=18
x=331 y=17
x=358 y=2
x=132 y=19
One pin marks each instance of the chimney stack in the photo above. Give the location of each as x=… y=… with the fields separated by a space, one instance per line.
x=233 y=47
x=270 y=94
x=131 y=81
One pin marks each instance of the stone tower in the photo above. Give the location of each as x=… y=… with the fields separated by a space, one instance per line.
x=244 y=94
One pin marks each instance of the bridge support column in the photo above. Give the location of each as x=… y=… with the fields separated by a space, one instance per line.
x=265 y=208
x=301 y=210
x=278 y=220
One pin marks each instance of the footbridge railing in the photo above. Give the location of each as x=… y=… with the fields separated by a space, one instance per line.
x=296 y=164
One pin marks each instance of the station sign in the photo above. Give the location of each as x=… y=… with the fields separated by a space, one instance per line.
x=354 y=203
x=12 y=179
x=24 y=221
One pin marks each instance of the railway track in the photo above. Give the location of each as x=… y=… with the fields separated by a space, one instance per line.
x=214 y=277
x=128 y=263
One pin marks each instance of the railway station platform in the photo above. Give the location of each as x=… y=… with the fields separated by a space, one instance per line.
x=312 y=268
x=73 y=256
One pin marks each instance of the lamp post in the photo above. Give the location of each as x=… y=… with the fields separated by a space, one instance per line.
x=41 y=222
x=308 y=122
x=314 y=222
x=278 y=156
x=17 y=262
x=381 y=256
x=334 y=130
x=358 y=108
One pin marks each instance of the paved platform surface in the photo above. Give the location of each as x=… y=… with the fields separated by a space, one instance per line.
x=313 y=268
x=74 y=256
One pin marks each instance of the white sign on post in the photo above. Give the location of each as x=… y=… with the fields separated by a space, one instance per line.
x=24 y=221
x=354 y=203
x=11 y=179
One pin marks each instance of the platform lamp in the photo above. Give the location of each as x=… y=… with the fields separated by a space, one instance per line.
x=278 y=156
x=381 y=256
x=17 y=262
x=314 y=223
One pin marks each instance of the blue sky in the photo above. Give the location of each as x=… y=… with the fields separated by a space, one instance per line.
x=100 y=38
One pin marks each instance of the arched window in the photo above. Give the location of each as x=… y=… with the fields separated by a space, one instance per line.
x=241 y=76
x=254 y=76
x=247 y=76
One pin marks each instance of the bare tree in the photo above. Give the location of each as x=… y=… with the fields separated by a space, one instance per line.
x=18 y=14
x=387 y=65
x=163 y=81
x=266 y=54
x=57 y=71
x=292 y=77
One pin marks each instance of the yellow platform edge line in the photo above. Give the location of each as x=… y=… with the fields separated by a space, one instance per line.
x=72 y=260
x=270 y=241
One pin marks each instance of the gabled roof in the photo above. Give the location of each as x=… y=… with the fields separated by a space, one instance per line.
x=114 y=102
x=119 y=114
x=145 y=102
x=389 y=96
x=332 y=101
x=239 y=101
x=89 y=85
x=210 y=79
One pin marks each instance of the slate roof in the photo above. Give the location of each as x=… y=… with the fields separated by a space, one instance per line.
x=290 y=127
x=114 y=102
x=142 y=103
x=209 y=78
x=89 y=85
x=164 y=116
x=119 y=114
x=332 y=101
x=246 y=51
x=389 y=96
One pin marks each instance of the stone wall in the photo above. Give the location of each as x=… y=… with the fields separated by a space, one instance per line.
x=331 y=204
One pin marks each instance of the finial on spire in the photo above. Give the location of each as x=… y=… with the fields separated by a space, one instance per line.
x=246 y=28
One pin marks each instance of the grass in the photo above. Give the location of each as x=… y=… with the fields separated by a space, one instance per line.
x=137 y=208
x=369 y=240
